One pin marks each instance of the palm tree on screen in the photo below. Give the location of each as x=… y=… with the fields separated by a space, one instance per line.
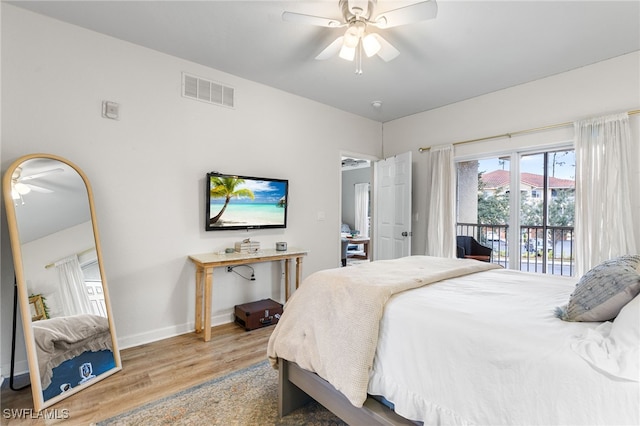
x=227 y=188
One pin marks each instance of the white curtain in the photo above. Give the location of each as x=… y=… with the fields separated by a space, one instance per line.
x=604 y=185
x=362 y=208
x=441 y=202
x=74 y=294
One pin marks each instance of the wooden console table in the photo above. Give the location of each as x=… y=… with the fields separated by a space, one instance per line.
x=204 y=276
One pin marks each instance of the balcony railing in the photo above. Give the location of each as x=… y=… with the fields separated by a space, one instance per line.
x=541 y=249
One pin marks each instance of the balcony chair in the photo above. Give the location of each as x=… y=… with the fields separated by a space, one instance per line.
x=469 y=248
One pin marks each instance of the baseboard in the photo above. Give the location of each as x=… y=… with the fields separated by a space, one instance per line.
x=167 y=332
x=20 y=367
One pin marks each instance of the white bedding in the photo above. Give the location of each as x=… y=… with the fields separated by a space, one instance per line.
x=488 y=350
x=330 y=324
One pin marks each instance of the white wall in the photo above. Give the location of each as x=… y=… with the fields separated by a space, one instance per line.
x=147 y=169
x=607 y=87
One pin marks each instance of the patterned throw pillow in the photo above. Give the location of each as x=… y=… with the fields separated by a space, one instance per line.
x=603 y=291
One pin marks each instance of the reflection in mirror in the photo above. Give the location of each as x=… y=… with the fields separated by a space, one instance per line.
x=64 y=303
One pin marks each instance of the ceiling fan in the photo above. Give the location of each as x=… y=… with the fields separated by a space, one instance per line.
x=20 y=185
x=354 y=163
x=358 y=17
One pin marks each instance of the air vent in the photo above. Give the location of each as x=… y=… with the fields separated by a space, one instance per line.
x=207 y=91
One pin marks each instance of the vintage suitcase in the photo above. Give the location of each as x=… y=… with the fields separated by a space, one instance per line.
x=258 y=314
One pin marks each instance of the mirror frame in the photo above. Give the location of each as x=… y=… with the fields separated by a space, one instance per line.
x=23 y=296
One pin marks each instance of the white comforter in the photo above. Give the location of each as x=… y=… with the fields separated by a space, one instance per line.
x=486 y=349
x=330 y=324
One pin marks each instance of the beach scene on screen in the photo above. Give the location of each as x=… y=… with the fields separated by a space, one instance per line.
x=252 y=202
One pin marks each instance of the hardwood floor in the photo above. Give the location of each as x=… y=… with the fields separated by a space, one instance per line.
x=150 y=372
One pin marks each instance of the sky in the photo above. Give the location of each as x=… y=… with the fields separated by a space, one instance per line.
x=263 y=190
x=564 y=164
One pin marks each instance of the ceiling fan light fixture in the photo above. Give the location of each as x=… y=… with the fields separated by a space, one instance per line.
x=21 y=188
x=348 y=53
x=371 y=45
x=351 y=38
x=354 y=33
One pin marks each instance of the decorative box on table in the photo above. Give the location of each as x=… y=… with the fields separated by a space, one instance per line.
x=247 y=246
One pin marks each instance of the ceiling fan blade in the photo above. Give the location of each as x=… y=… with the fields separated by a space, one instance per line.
x=407 y=15
x=319 y=21
x=331 y=50
x=41 y=189
x=40 y=174
x=387 y=52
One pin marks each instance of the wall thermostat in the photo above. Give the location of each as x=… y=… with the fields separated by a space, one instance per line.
x=110 y=110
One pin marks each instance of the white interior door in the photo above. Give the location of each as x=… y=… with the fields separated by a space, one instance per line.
x=96 y=297
x=392 y=207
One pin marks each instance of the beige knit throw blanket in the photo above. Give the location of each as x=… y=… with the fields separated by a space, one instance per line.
x=330 y=324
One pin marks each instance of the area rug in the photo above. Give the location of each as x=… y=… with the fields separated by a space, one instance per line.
x=245 y=397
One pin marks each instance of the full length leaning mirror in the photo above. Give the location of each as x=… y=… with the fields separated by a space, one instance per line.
x=62 y=292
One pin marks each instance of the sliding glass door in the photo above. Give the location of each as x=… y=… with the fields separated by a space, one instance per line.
x=547 y=200
x=483 y=204
x=531 y=228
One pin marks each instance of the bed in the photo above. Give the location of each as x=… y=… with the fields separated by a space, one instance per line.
x=72 y=350
x=456 y=341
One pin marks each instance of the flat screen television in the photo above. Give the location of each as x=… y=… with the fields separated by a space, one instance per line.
x=245 y=202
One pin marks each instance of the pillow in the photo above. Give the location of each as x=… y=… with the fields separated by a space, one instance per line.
x=626 y=327
x=625 y=332
x=614 y=348
x=603 y=291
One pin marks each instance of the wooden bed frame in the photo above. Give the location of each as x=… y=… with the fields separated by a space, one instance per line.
x=298 y=387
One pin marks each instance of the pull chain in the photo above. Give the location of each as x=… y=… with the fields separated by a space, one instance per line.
x=359 y=58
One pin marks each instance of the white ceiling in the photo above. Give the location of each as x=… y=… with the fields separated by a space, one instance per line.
x=57 y=200
x=471 y=48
